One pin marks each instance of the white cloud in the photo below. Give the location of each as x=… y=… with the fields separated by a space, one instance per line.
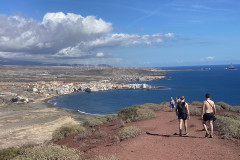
x=210 y=58
x=100 y=54
x=62 y=35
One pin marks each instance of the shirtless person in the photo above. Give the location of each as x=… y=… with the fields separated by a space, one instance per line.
x=208 y=111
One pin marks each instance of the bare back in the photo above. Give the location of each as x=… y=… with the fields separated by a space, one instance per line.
x=209 y=106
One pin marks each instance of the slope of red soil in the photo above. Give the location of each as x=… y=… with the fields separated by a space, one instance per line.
x=159 y=140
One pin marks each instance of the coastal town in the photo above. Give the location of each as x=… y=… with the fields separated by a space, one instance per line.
x=27 y=92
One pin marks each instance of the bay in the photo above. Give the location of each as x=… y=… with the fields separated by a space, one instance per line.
x=192 y=82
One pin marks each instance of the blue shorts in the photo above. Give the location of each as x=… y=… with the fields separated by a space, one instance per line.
x=183 y=116
x=172 y=105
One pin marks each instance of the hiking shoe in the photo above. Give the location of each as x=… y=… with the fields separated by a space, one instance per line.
x=187 y=133
x=211 y=136
x=207 y=134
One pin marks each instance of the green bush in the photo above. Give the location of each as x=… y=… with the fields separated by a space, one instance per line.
x=10 y=153
x=135 y=113
x=129 y=132
x=65 y=131
x=93 y=122
x=228 y=127
x=195 y=111
x=197 y=103
x=51 y=152
x=152 y=106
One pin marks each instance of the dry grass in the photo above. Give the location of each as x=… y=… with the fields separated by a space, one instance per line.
x=195 y=111
x=50 y=152
x=228 y=127
x=136 y=113
x=129 y=132
x=66 y=131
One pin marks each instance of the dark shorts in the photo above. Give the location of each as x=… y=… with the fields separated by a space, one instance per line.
x=182 y=116
x=208 y=117
x=172 y=105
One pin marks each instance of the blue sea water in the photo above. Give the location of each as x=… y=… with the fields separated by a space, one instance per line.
x=193 y=83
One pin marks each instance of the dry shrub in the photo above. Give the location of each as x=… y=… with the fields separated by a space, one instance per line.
x=94 y=141
x=229 y=107
x=224 y=105
x=10 y=153
x=83 y=135
x=51 y=152
x=111 y=117
x=93 y=122
x=231 y=115
x=135 y=113
x=228 y=127
x=101 y=134
x=236 y=109
x=218 y=107
x=129 y=132
x=197 y=103
x=111 y=157
x=165 y=104
x=143 y=114
x=195 y=111
x=152 y=106
x=115 y=139
x=65 y=131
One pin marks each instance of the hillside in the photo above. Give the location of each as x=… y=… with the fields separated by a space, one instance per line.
x=159 y=140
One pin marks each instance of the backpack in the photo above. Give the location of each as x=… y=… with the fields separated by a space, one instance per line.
x=181 y=108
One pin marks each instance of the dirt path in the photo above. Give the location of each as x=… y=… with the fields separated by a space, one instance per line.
x=159 y=142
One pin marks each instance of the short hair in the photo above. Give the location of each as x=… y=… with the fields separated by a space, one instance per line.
x=182 y=97
x=207 y=95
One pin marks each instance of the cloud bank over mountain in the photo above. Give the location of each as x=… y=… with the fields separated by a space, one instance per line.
x=62 y=36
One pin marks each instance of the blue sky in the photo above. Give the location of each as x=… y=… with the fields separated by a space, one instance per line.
x=126 y=33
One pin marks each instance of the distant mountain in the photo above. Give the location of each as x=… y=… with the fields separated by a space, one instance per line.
x=5 y=61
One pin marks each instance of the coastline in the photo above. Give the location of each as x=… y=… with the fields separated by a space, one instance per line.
x=34 y=122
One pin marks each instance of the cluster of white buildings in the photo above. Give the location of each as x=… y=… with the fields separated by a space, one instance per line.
x=45 y=90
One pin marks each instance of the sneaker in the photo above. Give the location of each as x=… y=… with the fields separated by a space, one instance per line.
x=180 y=134
x=211 y=136
x=187 y=133
x=207 y=134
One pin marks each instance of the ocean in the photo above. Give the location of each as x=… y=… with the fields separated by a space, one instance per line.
x=192 y=82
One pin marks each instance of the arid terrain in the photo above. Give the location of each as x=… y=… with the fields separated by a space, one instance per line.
x=34 y=121
x=159 y=141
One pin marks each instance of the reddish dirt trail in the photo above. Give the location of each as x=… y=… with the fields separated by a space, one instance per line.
x=161 y=143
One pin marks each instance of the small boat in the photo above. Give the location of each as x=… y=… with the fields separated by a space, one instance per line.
x=231 y=67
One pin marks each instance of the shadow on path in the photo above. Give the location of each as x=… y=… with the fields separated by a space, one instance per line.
x=174 y=135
